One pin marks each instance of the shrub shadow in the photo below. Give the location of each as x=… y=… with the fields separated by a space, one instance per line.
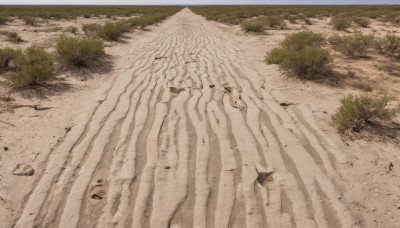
x=43 y=91
x=86 y=71
x=377 y=130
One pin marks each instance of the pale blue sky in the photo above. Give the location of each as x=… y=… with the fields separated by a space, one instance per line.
x=190 y=2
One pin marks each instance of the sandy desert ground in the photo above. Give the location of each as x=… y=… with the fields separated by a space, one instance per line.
x=189 y=130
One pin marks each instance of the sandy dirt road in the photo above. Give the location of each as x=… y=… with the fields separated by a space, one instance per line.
x=189 y=136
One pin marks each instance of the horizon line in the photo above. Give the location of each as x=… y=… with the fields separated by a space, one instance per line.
x=388 y=4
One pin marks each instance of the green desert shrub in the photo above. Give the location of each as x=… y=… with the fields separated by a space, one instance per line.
x=3 y=20
x=362 y=22
x=273 y=22
x=340 y=23
x=363 y=86
x=300 y=40
x=308 y=21
x=79 y=52
x=112 y=31
x=390 y=67
x=30 y=20
x=308 y=62
x=71 y=29
x=252 y=26
x=389 y=45
x=301 y=54
x=14 y=37
x=90 y=29
x=7 y=55
x=293 y=20
x=260 y=24
x=356 y=110
x=354 y=46
x=33 y=67
x=335 y=40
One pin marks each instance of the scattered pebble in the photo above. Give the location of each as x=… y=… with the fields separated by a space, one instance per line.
x=23 y=170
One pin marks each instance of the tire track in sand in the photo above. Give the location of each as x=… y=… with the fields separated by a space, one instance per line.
x=142 y=157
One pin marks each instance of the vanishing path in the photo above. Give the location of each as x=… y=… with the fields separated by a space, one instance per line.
x=189 y=137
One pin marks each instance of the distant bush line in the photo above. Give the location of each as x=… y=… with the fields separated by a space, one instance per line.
x=356 y=14
x=72 y=12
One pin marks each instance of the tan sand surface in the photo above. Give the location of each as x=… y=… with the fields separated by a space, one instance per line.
x=189 y=131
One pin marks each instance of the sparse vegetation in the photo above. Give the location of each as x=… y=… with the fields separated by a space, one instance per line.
x=274 y=22
x=7 y=55
x=112 y=31
x=362 y=22
x=30 y=20
x=14 y=37
x=307 y=63
x=252 y=26
x=71 y=29
x=364 y=86
x=301 y=54
x=238 y=14
x=33 y=67
x=340 y=23
x=79 y=52
x=357 y=110
x=354 y=46
x=3 y=20
x=391 y=68
x=72 y=12
x=389 y=45
x=302 y=39
x=91 y=29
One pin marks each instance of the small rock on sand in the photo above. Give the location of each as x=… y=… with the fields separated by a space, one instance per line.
x=23 y=170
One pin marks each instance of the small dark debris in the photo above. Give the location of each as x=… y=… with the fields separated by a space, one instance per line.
x=67 y=129
x=212 y=86
x=167 y=167
x=264 y=176
x=228 y=88
x=286 y=104
x=96 y=196
x=175 y=89
x=390 y=167
x=160 y=57
x=5 y=148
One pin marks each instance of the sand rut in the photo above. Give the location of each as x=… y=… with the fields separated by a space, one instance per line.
x=142 y=157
